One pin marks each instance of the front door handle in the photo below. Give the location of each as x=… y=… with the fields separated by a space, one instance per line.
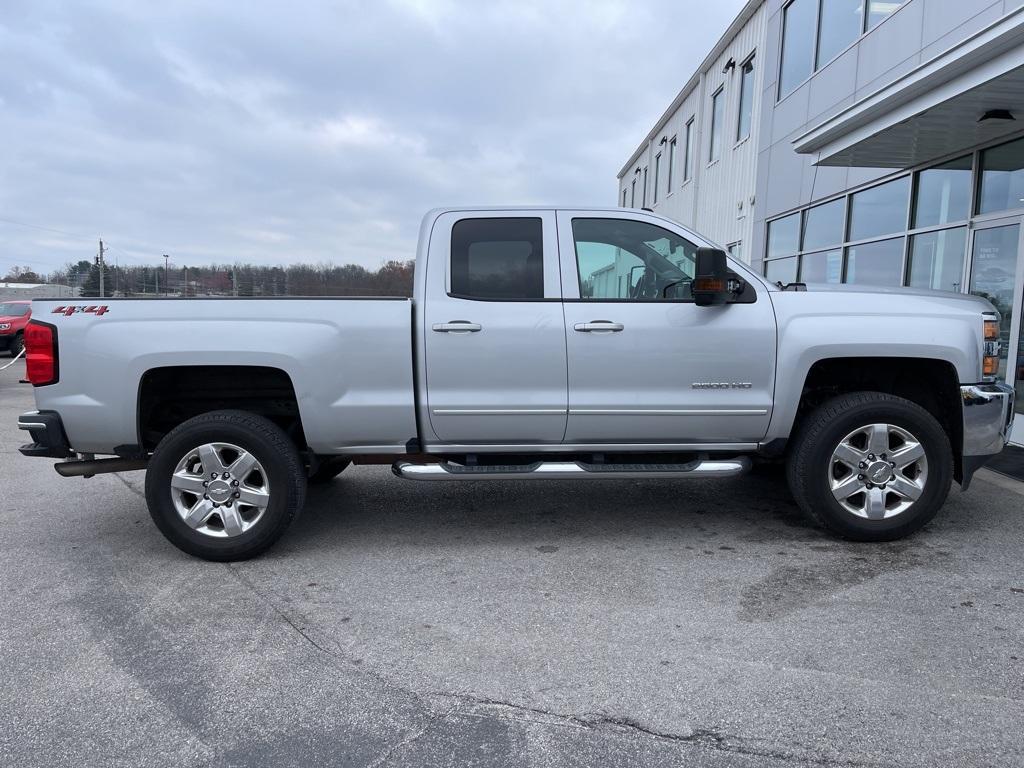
x=457 y=326
x=598 y=326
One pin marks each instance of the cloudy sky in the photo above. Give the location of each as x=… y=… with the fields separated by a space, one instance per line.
x=317 y=131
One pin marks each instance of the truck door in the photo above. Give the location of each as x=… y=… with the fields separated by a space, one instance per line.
x=646 y=364
x=493 y=330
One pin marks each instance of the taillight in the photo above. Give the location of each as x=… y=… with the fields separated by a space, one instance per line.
x=41 y=353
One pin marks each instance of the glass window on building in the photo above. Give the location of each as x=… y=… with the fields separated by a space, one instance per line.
x=746 y=100
x=823 y=267
x=688 y=151
x=784 y=236
x=717 y=114
x=632 y=195
x=937 y=259
x=657 y=176
x=781 y=270
x=943 y=194
x=645 y=188
x=671 y=165
x=878 y=10
x=878 y=263
x=994 y=274
x=880 y=210
x=623 y=198
x=839 y=24
x=1002 y=178
x=824 y=225
x=797 y=44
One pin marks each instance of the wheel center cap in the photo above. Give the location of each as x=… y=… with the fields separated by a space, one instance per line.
x=219 y=491
x=879 y=472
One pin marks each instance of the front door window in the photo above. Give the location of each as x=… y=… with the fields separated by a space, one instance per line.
x=631 y=260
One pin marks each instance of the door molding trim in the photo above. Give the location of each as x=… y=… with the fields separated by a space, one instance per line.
x=668 y=412
x=498 y=411
x=434 y=446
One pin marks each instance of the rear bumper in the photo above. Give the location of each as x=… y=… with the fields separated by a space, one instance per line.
x=988 y=416
x=47 y=431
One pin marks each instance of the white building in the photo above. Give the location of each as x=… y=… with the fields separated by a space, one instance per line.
x=35 y=290
x=860 y=141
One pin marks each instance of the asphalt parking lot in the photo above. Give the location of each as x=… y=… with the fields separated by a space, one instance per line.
x=565 y=623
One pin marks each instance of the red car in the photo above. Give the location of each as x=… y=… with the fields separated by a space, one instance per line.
x=14 y=316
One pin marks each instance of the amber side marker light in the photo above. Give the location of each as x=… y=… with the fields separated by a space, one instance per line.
x=709 y=284
x=990 y=361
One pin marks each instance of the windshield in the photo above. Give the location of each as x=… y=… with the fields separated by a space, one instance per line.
x=14 y=310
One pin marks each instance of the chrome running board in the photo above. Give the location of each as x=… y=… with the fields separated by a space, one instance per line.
x=566 y=470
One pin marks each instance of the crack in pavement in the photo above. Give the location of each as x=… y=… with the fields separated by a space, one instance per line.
x=697 y=737
x=129 y=486
x=387 y=753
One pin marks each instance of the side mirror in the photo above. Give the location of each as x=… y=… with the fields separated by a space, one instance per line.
x=711 y=281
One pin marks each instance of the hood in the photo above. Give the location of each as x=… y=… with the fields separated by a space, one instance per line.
x=961 y=299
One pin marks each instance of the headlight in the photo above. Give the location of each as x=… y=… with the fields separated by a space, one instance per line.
x=990 y=350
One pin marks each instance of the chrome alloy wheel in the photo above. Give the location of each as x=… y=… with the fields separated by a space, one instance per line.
x=220 y=489
x=878 y=471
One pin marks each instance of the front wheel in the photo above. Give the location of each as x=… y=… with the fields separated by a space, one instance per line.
x=870 y=466
x=225 y=485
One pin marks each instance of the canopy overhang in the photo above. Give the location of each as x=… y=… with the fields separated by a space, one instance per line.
x=935 y=110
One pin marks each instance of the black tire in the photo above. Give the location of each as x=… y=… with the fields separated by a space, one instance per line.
x=272 y=449
x=809 y=467
x=17 y=344
x=328 y=469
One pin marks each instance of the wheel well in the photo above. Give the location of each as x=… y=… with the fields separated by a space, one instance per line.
x=932 y=384
x=172 y=395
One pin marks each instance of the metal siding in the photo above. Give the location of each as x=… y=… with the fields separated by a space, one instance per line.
x=783 y=180
x=710 y=202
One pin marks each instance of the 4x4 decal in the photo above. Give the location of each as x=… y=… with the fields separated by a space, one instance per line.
x=74 y=309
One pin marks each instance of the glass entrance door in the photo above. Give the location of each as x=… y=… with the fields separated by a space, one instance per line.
x=994 y=273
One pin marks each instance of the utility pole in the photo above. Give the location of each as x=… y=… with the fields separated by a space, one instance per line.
x=99 y=260
x=167 y=275
x=234 y=280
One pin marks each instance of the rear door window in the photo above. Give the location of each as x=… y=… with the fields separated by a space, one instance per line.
x=495 y=259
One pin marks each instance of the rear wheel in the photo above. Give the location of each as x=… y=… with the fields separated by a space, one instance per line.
x=225 y=485
x=870 y=466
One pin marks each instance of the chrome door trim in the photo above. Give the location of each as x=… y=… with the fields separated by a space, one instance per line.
x=496 y=411
x=668 y=412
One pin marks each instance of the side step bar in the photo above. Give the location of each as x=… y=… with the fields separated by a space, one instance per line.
x=564 y=470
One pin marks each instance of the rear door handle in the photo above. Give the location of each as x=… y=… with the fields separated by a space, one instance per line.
x=598 y=326
x=457 y=326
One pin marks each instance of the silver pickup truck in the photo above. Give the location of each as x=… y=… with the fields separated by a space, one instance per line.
x=541 y=343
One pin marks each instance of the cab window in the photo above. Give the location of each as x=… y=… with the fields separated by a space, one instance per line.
x=632 y=261
x=498 y=259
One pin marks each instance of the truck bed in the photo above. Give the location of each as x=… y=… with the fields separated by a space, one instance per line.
x=350 y=361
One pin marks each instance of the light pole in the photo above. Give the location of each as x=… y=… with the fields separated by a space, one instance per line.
x=167 y=275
